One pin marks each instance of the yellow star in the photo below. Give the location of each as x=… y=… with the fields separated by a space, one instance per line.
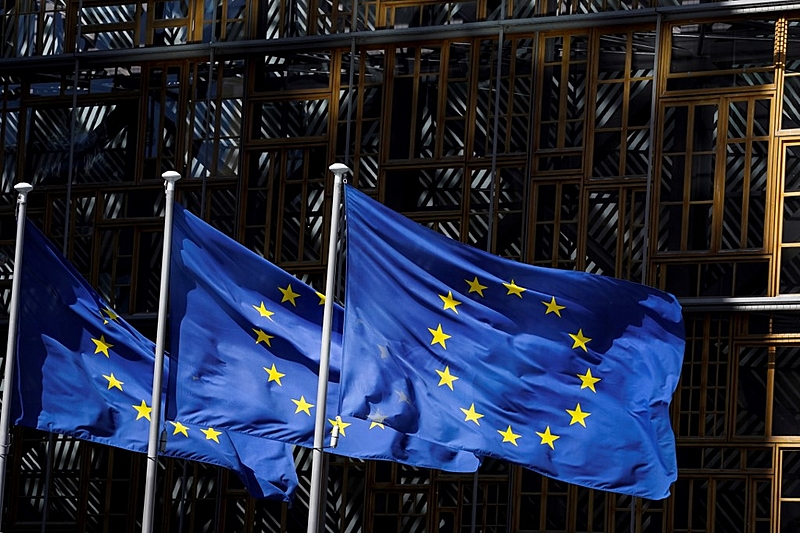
x=509 y=436
x=580 y=340
x=101 y=345
x=274 y=375
x=471 y=414
x=587 y=380
x=321 y=298
x=553 y=307
x=113 y=382
x=211 y=434
x=302 y=405
x=262 y=310
x=376 y=420
x=289 y=295
x=446 y=378
x=475 y=286
x=450 y=302
x=179 y=428
x=578 y=416
x=110 y=314
x=402 y=397
x=143 y=411
x=513 y=288
x=341 y=423
x=439 y=336
x=548 y=438
x=263 y=337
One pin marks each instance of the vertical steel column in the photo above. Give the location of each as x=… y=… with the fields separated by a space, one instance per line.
x=650 y=165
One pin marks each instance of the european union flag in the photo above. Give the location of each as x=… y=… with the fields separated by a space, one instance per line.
x=245 y=351
x=83 y=371
x=567 y=373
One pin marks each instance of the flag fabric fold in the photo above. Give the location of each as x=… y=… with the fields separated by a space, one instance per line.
x=245 y=351
x=83 y=371
x=567 y=373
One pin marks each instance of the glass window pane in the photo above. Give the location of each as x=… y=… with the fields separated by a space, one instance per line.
x=790 y=477
x=744 y=48
x=751 y=391
x=699 y=228
x=790 y=271
x=791 y=219
x=791 y=102
x=731 y=505
x=786 y=402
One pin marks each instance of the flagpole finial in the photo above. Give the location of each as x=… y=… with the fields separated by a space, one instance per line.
x=23 y=188
x=339 y=169
x=171 y=176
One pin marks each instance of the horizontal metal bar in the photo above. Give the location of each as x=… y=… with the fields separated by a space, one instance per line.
x=753 y=303
x=490 y=28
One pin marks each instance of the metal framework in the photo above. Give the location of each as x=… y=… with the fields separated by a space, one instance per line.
x=657 y=141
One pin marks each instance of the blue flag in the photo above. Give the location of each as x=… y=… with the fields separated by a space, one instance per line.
x=83 y=371
x=246 y=339
x=567 y=373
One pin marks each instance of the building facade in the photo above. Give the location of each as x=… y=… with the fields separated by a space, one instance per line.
x=651 y=140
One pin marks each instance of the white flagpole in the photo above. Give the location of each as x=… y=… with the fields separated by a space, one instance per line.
x=170 y=177
x=317 y=458
x=13 y=311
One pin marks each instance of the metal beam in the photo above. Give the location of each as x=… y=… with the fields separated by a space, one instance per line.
x=489 y=28
x=754 y=303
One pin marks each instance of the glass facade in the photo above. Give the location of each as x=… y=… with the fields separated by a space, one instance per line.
x=651 y=140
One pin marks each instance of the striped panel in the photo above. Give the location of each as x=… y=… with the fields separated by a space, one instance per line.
x=756 y=217
x=602 y=234
x=272 y=19
x=295 y=118
x=734 y=182
x=752 y=391
x=786 y=395
x=637 y=152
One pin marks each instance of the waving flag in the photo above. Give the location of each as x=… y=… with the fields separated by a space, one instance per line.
x=245 y=353
x=83 y=371
x=567 y=373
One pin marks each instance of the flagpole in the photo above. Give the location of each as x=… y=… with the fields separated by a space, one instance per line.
x=11 y=348
x=170 y=177
x=317 y=458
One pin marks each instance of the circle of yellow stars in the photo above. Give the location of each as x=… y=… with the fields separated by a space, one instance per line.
x=447 y=378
